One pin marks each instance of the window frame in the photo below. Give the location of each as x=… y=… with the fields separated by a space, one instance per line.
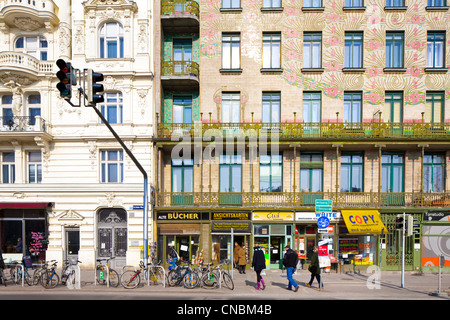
x=8 y=167
x=37 y=165
x=430 y=187
x=393 y=41
x=273 y=162
x=40 y=52
x=390 y=97
x=308 y=37
x=352 y=101
x=230 y=162
x=352 y=164
x=272 y=49
x=309 y=166
x=352 y=42
x=234 y=38
x=105 y=166
x=104 y=40
x=310 y=105
x=431 y=97
x=272 y=102
x=433 y=42
x=184 y=165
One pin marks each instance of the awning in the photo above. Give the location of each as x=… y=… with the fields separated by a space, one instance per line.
x=24 y=205
x=363 y=221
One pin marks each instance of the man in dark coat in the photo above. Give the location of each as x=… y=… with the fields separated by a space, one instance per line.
x=258 y=264
x=314 y=268
x=290 y=260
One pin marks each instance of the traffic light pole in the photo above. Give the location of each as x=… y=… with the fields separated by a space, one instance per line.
x=403 y=251
x=144 y=173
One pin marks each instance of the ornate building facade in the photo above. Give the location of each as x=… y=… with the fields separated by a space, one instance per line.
x=336 y=100
x=67 y=187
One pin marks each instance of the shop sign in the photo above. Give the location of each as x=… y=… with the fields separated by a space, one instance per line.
x=437 y=216
x=181 y=216
x=323 y=205
x=230 y=216
x=323 y=222
x=312 y=216
x=273 y=216
x=363 y=221
x=225 y=227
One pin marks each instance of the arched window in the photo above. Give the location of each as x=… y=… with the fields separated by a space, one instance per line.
x=111 y=40
x=34 y=46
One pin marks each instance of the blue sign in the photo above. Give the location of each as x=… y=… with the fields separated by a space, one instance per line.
x=323 y=222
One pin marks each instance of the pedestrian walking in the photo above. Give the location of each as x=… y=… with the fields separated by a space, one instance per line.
x=236 y=250
x=314 y=268
x=258 y=265
x=242 y=260
x=290 y=261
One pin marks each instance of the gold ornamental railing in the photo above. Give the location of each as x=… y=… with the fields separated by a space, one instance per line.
x=180 y=7
x=302 y=199
x=180 y=68
x=290 y=130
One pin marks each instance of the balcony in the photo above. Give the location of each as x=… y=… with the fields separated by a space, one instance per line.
x=180 y=15
x=29 y=15
x=22 y=128
x=303 y=200
x=24 y=66
x=180 y=75
x=309 y=131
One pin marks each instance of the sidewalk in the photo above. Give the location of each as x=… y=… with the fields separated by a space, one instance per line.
x=336 y=286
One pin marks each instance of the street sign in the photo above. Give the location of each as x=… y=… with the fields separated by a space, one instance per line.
x=323 y=222
x=324 y=205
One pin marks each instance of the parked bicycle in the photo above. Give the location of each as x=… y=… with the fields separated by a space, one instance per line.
x=209 y=279
x=19 y=270
x=49 y=278
x=2 y=273
x=68 y=274
x=224 y=275
x=130 y=279
x=37 y=274
x=183 y=274
x=102 y=274
x=155 y=274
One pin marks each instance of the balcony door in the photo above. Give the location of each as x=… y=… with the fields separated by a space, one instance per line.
x=182 y=52
x=392 y=179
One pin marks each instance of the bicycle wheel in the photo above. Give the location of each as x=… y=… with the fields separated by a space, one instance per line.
x=209 y=281
x=2 y=277
x=172 y=278
x=114 y=278
x=36 y=276
x=28 y=278
x=49 y=280
x=190 y=280
x=226 y=278
x=130 y=279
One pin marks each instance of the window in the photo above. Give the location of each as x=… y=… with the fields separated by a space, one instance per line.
x=182 y=175
x=434 y=108
x=311 y=107
x=393 y=106
x=312 y=3
x=34 y=167
x=436 y=50
x=112 y=107
x=230 y=173
x=312 y=50
x=271 y=107
x=271 y=3
x=352 y=169
x=231 y=107
x=182 y=52
x=395 y=3
x=34 y=107
x=353 y=49
x=311 y=172
x=112 y=166
x=392 y=172
x=354 y=3
x=394 y=49
x=111 y=40
x=231 y=4
x=433 y=172
x=437 y=3
x=182 y=109
x=352 y=107
x=271 y=50
x=8 y=167
x=7 y=113
x=271 y=173
x=34 y=46
x=231 y=51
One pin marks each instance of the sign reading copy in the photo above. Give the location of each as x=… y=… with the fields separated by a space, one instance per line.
x=363 y=221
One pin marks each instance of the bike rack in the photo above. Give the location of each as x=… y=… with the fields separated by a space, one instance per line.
x=107 y=274
x=77 y=270
x=164 y=277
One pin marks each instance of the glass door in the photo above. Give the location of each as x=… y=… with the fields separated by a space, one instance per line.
x=72 y=242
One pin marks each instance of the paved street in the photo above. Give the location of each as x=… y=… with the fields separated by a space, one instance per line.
x=339 y=286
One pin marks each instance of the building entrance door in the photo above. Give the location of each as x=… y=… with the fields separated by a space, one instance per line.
x=112 y=236
x=72 y=242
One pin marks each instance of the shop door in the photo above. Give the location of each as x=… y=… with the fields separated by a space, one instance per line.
x=112 y=236
x=72 y=242
x=182 y=247
x=276 y=251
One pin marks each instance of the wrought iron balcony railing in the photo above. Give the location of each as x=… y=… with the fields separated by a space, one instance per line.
x=180 y=68
x=180 y=7
x=302 y=199
x=324 y=130
x=22 y=124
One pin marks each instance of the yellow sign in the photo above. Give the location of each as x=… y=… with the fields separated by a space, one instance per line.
x=273 y=216
x=363 y=221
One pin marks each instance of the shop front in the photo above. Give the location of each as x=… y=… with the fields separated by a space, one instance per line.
x=308 y=234
x=272 y=231
x=436 y=241
x=23 y=230
x=357 y=242
x=228 y=228
x=185 y=231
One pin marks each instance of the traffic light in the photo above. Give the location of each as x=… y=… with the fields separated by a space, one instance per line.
x=93 y=87
x=399 y=222
x=66 y=78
